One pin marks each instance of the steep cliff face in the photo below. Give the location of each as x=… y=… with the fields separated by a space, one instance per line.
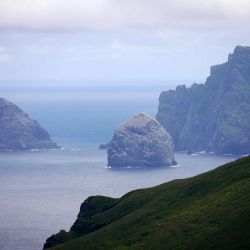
x=19 y=132
x=214 y=116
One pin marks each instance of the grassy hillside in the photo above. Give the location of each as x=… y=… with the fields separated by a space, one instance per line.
x=209 y=211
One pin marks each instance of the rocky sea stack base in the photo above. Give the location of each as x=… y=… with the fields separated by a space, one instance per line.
x=19 y=132
x=140 y=141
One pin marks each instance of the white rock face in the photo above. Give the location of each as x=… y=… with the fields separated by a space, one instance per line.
x=140 y=141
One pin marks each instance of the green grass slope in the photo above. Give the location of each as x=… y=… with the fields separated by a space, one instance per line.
x=208 y=211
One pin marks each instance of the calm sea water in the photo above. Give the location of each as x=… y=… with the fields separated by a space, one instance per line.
x=41 y=191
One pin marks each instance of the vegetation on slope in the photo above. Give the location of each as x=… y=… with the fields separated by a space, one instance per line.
x=209 y=211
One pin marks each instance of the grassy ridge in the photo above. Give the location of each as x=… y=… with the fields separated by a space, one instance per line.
x=209 y=211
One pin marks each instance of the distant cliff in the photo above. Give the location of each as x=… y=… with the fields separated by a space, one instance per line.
x=19 y=132
x=214 y=116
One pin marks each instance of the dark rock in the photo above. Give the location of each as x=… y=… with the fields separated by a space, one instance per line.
x=56 y=239
x=19 y=132
x=103 y=146
x=85 y=222
x=214 y=116
x=140 y=142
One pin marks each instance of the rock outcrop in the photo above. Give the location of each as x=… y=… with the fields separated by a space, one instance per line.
x=140 y=141
x=214 y=116
x=19 y=132
x=84 y=223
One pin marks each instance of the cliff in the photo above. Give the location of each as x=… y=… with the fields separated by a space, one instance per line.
x=214 y=116
x=208 y=211
x=19 y=132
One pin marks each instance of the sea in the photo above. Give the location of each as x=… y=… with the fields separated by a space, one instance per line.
x=41 y=190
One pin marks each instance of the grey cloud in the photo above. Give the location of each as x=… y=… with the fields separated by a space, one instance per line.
x=120 y=15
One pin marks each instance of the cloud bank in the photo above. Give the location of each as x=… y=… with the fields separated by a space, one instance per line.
x=120 y=15
x=118 y=39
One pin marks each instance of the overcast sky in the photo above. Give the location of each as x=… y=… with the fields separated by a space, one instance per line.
x=110 y=40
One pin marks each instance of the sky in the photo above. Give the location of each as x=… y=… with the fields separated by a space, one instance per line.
x=118 y=40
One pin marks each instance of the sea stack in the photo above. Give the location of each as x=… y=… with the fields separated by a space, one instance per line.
x=19 y=132
x=140 y=141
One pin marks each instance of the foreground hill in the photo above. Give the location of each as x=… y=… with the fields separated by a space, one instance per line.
x=19 y=132
x=208 y=211
x=214 y=116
